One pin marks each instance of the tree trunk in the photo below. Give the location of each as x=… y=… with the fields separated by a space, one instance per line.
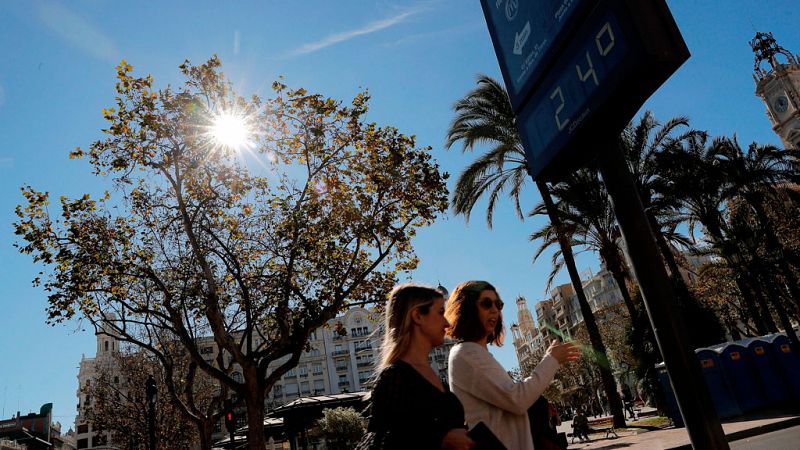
x=607 y=377
x=734 y=330
x=750 y=305
x=204 y=431
x=255 y=418
x=614 y=265
x=763 y=305
x=785 y=322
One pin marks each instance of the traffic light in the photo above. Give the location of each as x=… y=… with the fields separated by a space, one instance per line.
x=230 y=420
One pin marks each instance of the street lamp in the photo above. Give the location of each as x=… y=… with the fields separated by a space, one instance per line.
x=152 y=392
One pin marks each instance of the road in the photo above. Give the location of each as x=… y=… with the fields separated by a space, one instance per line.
x=788 y=439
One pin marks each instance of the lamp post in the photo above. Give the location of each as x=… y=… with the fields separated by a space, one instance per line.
x=151 y=391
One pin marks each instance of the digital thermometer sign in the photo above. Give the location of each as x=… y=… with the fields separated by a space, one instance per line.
x=590 y=87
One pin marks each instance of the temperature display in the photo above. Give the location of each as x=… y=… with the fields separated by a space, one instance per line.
x=569 y=95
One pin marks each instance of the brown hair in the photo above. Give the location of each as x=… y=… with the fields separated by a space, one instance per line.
x=462 y=313
x=402 y=300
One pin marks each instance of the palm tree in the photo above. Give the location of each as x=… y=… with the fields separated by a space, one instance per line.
x=642 y=143
x=752 y=176
x=691 y=174
x=588 y=219
x=485 y=116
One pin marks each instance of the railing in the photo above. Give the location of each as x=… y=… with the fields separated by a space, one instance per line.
x=341 y=352
x=364 y=364
x=341 y=368
x=344 y=384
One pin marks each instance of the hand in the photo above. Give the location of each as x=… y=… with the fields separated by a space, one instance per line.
x=567 y=351
x=457 y=439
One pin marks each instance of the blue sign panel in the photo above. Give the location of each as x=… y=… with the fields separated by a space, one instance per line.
x=527 y=34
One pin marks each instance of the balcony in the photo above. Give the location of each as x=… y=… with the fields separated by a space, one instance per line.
x=361 y=348
x=344 y=385
x=341 y=352
x=364 y=364
x=341 y=368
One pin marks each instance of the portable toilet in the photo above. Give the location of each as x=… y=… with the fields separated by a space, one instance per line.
x=719 y=387
x=788 y=362
x=772 y=384
x=669 y=394
x=745 y=383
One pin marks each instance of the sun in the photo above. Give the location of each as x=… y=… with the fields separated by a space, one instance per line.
x=230 y=130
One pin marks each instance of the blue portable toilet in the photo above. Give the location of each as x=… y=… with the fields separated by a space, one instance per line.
x=672 y=402
x=718 y=384
x=773 y=386
x=788 y=362
x=744 y=382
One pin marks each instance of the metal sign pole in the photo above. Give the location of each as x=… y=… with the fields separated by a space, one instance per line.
x=697 y=409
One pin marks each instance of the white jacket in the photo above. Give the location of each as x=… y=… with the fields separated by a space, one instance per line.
x=489 y=395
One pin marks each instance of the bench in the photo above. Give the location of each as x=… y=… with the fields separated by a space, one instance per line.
x=605 y=425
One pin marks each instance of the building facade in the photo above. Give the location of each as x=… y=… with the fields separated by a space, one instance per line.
x=104 y=360
x=559 y=315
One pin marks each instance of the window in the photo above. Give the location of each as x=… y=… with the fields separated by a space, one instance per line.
x=83 y=429
x=237 y=377
x=206 y=350
x=291 y=372
x=106 y=345
x=83 y=443
x=317 y=368
x=305 y=388
x=319 y=386
x=116 y=380
x=303 y=371
x=291 y=388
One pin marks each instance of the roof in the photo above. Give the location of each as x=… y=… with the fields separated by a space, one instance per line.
x=320 y=401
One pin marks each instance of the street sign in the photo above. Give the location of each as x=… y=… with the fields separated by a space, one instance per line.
x=527 y=35
x=592 y=85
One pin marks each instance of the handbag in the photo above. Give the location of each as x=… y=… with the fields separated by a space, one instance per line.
x=484 y=438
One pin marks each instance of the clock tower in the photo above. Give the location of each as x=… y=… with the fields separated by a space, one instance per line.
x=779 y=86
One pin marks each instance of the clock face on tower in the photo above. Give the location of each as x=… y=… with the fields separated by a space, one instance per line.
x=781 y=104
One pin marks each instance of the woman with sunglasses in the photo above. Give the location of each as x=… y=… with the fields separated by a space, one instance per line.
x=410 y=406
x=488 y=393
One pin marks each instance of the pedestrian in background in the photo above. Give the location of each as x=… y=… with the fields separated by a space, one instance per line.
x=410 y=407
x=580 y=425
x=488 y=393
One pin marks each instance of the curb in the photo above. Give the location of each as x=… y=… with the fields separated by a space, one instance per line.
x=750 y=432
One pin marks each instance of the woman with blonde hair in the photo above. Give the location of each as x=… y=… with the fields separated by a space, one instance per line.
x=410 y=406
x=486 y=390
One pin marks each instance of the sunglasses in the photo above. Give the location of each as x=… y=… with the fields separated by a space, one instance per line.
x=487 y=303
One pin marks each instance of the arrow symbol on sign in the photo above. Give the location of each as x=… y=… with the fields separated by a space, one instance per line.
x=521 y=38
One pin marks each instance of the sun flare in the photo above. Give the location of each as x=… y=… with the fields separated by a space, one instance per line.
x=230 y=131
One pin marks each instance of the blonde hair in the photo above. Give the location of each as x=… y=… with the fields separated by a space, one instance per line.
x=397 y=336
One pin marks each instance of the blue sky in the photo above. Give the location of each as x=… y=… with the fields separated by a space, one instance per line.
x=415 y=57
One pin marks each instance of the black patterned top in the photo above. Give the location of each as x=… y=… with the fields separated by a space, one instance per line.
x=407 y=411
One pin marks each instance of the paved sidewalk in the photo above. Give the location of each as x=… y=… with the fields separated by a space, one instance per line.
x=675 y=438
